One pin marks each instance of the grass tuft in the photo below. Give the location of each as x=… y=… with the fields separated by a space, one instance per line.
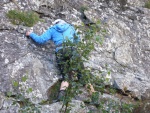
x=26 y=18
x=147 y=4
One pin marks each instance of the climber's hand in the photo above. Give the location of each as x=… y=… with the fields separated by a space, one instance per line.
x=29 y=32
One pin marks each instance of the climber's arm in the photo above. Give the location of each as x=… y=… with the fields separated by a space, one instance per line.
x=42 y=38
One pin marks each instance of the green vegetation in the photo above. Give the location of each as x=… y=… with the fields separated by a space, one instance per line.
x=147 y=4
x=26 y=18
x=26 y=106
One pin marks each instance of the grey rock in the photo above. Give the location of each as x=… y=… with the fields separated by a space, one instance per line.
x=125 y=51
x=56 y=107
x=8 y=107
x=128 y=45
x=1 y=100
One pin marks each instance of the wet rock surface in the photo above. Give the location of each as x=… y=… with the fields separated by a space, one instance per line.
x=125 y=51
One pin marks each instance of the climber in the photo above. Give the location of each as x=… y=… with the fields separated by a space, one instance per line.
x=58 y=34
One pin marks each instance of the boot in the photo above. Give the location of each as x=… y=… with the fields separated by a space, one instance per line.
x=60 y=96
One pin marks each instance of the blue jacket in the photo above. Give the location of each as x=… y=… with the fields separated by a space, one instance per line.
x=58 y=34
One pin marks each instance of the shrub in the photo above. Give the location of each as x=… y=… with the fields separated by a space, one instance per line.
x=147 y=4
x=27 y=18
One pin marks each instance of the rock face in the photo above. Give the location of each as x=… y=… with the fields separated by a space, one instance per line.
x=125 y=51
x=126 y=48
x=55 y=107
